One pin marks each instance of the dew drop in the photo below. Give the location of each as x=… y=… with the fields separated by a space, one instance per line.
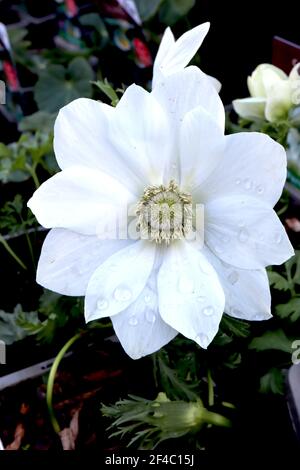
x=248 y=184
x=147 y=299
x=102 y=304
x=237 y=181
x=241 y=223
x=236 y=312
x=122 y=294
x=208 y=311
x=218 y=249
x=260 y=189
x=277 y=238
x=243 y=235
x=226 y=239
x=259 y=317
x=150 y=317
x=203 y=340
x=133 y=321
x=185 y=285
x=233 y=277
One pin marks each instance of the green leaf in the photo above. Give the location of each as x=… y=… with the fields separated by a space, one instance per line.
x=172 y=10
x=108 y=90
x=10 y=331
x=277 y=281
x=57 y=86
x=290 y=309
x=272 y=340
x=272 y=382
x=234 y=327
x=39 y=121
x=4 y=150
x=147 y=9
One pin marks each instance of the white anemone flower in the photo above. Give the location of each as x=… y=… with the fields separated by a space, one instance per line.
x=273 y=93
x=158 y=149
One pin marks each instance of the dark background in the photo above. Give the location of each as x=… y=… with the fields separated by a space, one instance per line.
x=240 y=37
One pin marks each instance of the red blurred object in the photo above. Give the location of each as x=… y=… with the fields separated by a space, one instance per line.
x=285 y=54
x=72 y=8
x=142 y=52
x=11 y=76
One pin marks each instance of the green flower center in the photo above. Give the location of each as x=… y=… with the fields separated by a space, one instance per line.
x=164 y=213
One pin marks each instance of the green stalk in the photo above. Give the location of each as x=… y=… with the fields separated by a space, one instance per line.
x=11 y=252
x=214 y=418
x=31 y=170
x=211 y=398
x=51 y=380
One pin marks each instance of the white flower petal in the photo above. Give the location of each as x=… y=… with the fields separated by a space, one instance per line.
x=295 y=72
x=279 y=100
x=247 y=292
x=141 y=133
x=175 y=56
x=184 y=91
x=257 y=80
x=201 y=147
x=180 y=93
x=250 y=108
x=245 y=233
x=68 y=260
x=140 y=327
x=253 y=164
x=81 y=200
x=119 y=281
x=215 y=82
x=166 y=44
x=191 y=299
x=81 y=138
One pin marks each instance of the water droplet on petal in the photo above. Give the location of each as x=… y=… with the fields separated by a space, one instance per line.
x=150 y=317
x=236 y=312
x=122 y=294
x=200 y=298
x=218 y=249
x=248 y=184
x=277 y=238
x=241 y=223
x=259 y=317
x=102 y=304
x=147 y=298
x=243 y=235
x=203 y=340
x=133 y=321
x=208 y=311
x=260 y=189
x=237 y=181
x=186 y=285
x=226 y=239
x=233 y=277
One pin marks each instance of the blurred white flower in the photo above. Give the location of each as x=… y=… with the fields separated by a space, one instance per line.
x=173 y=56
x=157 y=149
x=273 y=93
